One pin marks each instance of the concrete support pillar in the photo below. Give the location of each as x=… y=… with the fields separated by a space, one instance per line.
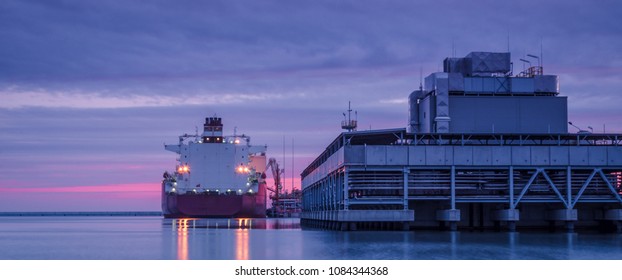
x=449 y=216
x=511 y=226
x=562 y=215
x=353 y=226
x=570 y=226
x=569 y=216
x=511 y=216
x=615 y=215
x=453 y=226
x=343 y=226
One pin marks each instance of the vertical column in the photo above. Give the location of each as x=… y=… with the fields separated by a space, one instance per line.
x=569 y=185
x=345 y=189
x=338 y=190
x=320 y=194
x=453 y=187
x=450 y=216
x=340 y=184
x=512 y=223
x=406 y=172
x=312 y=197
x=334 y=191
x=330 y=190
x=511 y=183
x=328 y=195
x=572 y=214
x=510 y=215
x=316 y=197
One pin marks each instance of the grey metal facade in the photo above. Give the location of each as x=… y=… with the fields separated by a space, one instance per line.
x=479 y=94
x=508 y=114
x=424 y=179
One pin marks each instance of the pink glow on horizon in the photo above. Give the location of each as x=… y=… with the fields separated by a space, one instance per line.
x=117 y=188
x=119 y=197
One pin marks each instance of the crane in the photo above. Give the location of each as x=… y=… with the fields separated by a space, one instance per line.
x=278 y=186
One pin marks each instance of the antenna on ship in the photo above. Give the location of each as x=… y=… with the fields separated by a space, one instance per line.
x=349 y=124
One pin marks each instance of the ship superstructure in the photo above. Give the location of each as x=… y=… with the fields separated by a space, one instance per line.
x=215 y=175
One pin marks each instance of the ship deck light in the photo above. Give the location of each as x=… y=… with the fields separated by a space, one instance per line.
x=183 y=169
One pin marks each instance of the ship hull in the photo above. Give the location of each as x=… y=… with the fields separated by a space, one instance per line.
x=214 y=206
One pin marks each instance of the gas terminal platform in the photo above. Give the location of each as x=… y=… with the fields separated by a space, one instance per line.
x=484 y=148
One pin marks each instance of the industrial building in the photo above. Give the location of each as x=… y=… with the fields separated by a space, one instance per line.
x=483 y=148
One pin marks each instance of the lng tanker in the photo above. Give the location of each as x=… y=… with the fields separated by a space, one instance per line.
x=215 y=176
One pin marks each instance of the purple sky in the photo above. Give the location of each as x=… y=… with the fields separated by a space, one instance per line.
x=90 y=90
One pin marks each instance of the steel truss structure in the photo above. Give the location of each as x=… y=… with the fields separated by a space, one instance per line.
x=384 y=171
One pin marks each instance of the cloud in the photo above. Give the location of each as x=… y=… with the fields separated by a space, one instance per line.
x=121 y=197
x=97 y=87
x=18 y=99
x=119 y=188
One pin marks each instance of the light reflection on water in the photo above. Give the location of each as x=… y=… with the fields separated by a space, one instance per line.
x=238 y=223
x=157 y=238
x=244 y=239
x=241 y=244
x=182 y=239
x=241 y=228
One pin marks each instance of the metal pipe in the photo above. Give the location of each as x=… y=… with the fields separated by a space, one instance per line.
x=453 y=187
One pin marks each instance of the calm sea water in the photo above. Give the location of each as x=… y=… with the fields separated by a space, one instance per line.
x=149 y=238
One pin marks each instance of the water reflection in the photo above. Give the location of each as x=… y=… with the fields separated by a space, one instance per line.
x=512 y=241
x=571 y=239
x=244 y=239
x=223 y=238
x=182 y=238
x=240 y=223
x=453 y=239
x=241 y=244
